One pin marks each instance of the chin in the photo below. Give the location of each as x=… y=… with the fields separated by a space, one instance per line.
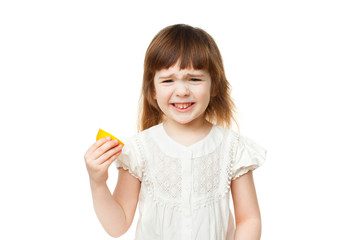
x=185 y=121
x=179 y=121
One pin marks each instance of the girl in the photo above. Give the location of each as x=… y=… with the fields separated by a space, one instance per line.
x=184 y=163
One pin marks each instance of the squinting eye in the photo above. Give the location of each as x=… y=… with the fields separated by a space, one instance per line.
x=167 y=81
x=195 y=79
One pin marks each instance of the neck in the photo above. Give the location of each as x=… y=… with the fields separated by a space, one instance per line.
x=189 y=133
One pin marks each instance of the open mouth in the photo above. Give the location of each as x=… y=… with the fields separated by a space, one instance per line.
x=182 y=105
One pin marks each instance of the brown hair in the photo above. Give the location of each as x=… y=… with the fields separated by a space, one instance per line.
x=195 y=48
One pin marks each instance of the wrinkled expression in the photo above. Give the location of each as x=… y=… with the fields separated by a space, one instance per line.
x=182 y=94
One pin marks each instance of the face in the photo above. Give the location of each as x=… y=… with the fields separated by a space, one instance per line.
x=182 y=95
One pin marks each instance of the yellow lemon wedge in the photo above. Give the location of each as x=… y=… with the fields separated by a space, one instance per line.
x=101 y=134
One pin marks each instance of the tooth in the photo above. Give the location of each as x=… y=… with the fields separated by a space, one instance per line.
x=182 y=105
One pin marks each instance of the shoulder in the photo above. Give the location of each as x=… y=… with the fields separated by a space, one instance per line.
x=236 y=138
x=140 y=141
x=141 y=136
x=240 y=146
x=226 y=135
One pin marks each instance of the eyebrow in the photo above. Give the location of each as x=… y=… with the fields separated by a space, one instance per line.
x=187 y=75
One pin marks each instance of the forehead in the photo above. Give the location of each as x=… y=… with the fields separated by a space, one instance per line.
x=175 y=71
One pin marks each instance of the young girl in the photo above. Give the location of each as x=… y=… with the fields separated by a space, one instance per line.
x=184 y=163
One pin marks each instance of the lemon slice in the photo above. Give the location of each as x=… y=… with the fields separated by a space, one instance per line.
x=101 y=134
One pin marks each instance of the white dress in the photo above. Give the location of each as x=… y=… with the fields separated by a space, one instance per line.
x=185 y=191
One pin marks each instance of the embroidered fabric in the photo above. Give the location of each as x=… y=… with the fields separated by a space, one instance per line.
x=187 y=184
x=212 y=173
x=207 y=171
x=166 y=176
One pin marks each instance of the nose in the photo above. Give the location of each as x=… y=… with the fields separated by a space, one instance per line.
x=182 y=89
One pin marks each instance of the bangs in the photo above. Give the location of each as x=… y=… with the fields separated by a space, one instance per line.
x=191 y=46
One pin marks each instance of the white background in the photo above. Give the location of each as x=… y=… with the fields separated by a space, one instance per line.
x=68 y=68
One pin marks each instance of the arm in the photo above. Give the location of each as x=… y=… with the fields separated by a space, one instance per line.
x=247 y=213
x=115 y=212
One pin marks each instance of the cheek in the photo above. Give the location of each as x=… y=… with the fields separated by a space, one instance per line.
x=204 y=93
x=206 y=97
x=161 y=95
x=155 y=93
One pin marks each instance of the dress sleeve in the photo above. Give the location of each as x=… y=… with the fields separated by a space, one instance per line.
x=248 y=156
x=130 y=159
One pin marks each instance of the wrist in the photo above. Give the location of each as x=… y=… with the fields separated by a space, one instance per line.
x=96 y=184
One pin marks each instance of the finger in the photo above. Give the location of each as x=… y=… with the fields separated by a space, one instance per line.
x=104 y=148
x=108 y=162
x=108 y=154
x=97 y=144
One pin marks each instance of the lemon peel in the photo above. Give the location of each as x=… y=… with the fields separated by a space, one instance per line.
x=101 y=134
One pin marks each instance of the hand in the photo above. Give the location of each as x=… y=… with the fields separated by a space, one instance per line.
x=99 y=157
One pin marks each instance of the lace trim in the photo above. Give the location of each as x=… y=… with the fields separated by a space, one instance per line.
x=232 y=153
x=244 y=170
x=125 y=167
